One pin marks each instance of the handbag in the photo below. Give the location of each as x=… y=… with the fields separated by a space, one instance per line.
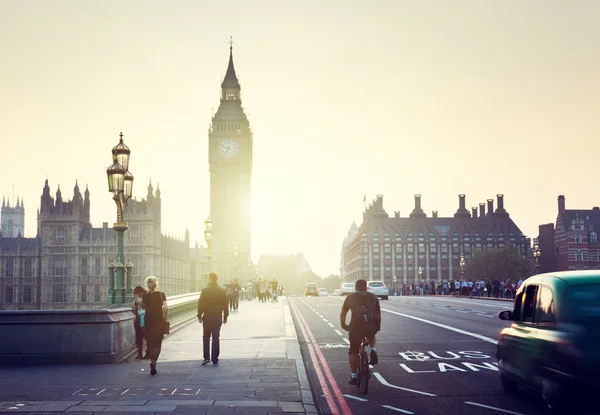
x=167 y=327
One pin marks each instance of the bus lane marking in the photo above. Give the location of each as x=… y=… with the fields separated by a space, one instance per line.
x=494 y=408
x=444 y=326
x=386 y=383
x=393 y=408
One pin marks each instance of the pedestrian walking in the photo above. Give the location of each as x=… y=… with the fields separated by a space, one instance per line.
x=138 y=321
x=213 y=310
x=236 y=295
x=155 y=320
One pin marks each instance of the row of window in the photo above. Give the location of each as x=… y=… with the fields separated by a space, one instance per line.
x=432 y=237
x=593 y=238
x=11 y=297
x=10 y=265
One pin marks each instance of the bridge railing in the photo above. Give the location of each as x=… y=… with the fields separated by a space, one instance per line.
x=79 y=336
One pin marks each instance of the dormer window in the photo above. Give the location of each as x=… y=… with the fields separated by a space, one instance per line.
x=593 y=238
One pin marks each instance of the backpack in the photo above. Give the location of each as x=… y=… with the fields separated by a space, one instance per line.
x=365 y=313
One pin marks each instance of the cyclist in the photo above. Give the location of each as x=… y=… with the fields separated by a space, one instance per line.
x=365 y=322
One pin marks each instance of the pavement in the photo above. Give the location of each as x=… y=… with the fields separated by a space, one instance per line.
x=260 y=372
x=437 y=355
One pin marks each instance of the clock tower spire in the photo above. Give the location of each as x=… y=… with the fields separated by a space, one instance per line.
x=230 y=165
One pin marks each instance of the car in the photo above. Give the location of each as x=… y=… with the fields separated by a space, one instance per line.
x=323 y=292
x=551 y=345
x=347 y=288
x=378 y=288
x=311 y=289
x=337 y=292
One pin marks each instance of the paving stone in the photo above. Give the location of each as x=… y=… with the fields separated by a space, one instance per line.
x=112 y=403
x=58 y=406
x=291 y=407
x=181 y=402
x=145 y=409
x=91 y=408
x=247 y=403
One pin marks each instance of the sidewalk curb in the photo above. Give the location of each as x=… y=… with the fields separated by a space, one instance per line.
x=308 y=399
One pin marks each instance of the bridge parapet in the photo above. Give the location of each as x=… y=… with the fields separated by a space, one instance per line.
x=77 y=336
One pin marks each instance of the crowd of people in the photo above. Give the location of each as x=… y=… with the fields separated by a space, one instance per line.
x=469 y=288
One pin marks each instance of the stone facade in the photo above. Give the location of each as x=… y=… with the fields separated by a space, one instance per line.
x=13 y=219
x=230 y=164
x=391 y=249
x=65 y=266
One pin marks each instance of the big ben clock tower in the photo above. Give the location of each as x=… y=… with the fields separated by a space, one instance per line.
x=230 y=164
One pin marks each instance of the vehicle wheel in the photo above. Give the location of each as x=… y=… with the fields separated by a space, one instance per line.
x=510 y=386
x=553 y=398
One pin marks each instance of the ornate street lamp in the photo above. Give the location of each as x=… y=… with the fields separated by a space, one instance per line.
x=462 y=264
x=120 y=184
x=537 y=253
x=235 y=257
x=208 y=237
x=420 y=273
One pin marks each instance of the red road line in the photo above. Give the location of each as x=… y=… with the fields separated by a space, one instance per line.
x=324 y=386
x=334 y=386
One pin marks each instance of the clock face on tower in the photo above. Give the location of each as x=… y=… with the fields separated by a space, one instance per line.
x=228 y=148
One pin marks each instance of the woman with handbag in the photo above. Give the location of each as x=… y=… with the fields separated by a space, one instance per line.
x=156 y=322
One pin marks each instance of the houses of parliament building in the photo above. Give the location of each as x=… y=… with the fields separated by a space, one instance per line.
x=66 y=265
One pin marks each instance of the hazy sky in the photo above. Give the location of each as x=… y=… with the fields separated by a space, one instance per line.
x=392 y=97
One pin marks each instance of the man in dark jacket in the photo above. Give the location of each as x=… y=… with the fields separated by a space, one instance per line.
x=213 y=310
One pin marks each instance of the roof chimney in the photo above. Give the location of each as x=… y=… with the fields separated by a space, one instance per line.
x=417 y=211
x=474 y=211
x=397 y=214
x=561 y=205
x=462 y=211
x=481 y=210
x=434 y=213
x=501 y=211
x=490 y=208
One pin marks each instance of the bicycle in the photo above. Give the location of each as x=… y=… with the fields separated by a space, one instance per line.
x=364 y=372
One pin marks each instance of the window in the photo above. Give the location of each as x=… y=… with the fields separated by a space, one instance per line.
x=97 y=293
x=545 y=307
x=10 y=267
x=529 y=303
x=59 y=293
x=27 y=294
x=98 y=266
x=593 y=238
x=83 y=293
x=60 y=266
x=9 y=294
x=579 y=255
x=84 y=265
x=578 y=239
x=27 y=267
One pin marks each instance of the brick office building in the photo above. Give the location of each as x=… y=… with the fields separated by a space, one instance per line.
x=393 y=248
x=575 y=238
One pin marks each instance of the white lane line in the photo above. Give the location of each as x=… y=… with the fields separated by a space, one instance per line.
x=393 y=408
x=443 y=308
x=494 y=408
x=339 y=332
x=346 y=340
x=386 y=383
x=356 y=398
x=484 y=315
x=468 y=333
x=330 y=325
x=461 y=311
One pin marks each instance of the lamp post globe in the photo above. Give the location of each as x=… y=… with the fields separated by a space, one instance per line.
x=120 y=184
